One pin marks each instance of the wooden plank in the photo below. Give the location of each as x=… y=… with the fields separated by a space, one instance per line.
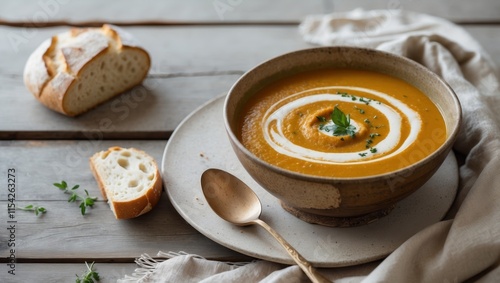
x=64 y=272
x=63 y=234
x=226 y=11
x=175 y=51
x=191 y=65
x=169 y=11
x=39 y=164
x=150 y=111
x=193 y=51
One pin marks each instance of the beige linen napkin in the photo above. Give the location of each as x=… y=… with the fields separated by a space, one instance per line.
x=464 y=248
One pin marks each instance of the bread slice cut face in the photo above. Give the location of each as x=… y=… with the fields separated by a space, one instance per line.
x=129 y=179
x=77 y=70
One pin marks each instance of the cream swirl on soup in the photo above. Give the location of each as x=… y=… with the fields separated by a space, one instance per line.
x=274 y=117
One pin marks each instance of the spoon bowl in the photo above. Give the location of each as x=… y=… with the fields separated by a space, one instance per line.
x=231 y=199
x=235 y=202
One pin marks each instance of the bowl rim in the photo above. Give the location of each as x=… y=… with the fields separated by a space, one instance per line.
x=443 y=149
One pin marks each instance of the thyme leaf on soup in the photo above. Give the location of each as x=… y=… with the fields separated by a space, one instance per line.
x=341 y=124
x=365 y=100
x=370 y=140
x=368 y=143
x=361 y=111
x=345 y=94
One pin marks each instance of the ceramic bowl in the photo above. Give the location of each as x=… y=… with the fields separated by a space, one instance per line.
x=359 y=200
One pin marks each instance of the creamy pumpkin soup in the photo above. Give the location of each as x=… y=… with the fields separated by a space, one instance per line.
x=341 y=123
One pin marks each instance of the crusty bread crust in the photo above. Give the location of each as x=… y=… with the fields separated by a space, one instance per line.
x=54 y=69
x=130 y=208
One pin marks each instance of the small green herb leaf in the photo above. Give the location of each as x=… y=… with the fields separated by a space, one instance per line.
x=40 y=209
x=340 y=119
x=83 y=208
x=85 y=201
x=345 y=94
x=340 y=124
x=73 y=197
x=89 y=276
x=365 y=100
x=35 y=208
x=321 y=119
x=361 y=111
x=63 y=186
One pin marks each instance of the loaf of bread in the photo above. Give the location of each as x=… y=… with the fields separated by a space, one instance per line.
x=129 y=179
x=77 y=70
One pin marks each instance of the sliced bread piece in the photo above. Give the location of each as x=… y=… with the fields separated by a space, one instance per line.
x=129 y=179
x=77 y=70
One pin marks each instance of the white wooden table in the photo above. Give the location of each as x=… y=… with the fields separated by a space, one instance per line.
x=198 y=49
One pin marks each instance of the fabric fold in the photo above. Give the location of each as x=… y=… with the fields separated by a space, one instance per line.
x=468 y=245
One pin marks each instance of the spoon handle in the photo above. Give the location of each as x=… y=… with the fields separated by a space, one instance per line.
x=308 y=269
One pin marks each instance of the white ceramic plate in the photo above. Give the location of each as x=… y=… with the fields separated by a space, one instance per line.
x=200 y=142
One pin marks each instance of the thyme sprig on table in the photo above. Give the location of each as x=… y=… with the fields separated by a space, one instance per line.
x=38 y=210
x=86 y=200
x=89 y=276
x=341 y=124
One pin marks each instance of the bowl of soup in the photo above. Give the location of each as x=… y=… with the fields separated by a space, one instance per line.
x=340 y=134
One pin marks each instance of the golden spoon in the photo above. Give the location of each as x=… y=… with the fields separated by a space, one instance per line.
x=236 y=203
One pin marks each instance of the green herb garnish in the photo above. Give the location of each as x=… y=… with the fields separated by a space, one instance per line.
x=361 y=111
x=373 y=150
x=368 y=143
x=365 y=100
x=35 y=208
x=86 y=201
x=89 y=276
x=345 y=94
x=363 y=154
x=370 y=140
x=341 y=124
